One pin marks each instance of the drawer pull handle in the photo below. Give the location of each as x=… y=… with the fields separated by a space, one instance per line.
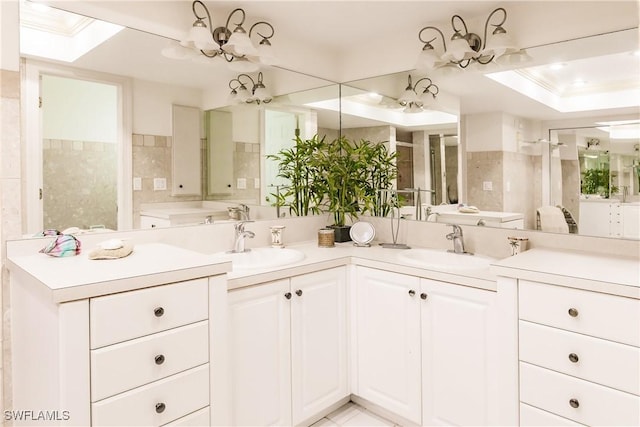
x=158 y=311
x=574 y=357
x=412 y=292
x=574 y=403
x=160 y=407
x=159 y=359
x=287 y=295
x=423 y=295
x=573 y=312
x=299 y=292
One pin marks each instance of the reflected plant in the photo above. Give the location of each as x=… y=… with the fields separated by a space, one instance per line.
x=298 y=166
x=596 y=181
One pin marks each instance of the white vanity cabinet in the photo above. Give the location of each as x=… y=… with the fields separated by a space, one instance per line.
x=579 y=356
x=426 y=350
x=288 y=348
x=460 y=342
x=388 y=341
x=117 y=342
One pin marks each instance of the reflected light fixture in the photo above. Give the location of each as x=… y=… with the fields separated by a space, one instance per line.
x=241 y=95
x=415 y=103
x=466 y=47
x=235 y=46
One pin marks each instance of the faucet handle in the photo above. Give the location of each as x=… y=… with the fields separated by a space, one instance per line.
x=239 y=225
x=456 y=228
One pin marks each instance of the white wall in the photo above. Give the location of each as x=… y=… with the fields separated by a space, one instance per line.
x=152 y=106
x=9 y=42
x=79 y=110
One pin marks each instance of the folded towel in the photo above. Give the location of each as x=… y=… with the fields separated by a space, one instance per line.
x=552 y=219
x=100 y=253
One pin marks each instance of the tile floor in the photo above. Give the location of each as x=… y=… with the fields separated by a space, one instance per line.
x=352 y=415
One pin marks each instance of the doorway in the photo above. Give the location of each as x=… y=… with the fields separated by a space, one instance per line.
x=78 y=150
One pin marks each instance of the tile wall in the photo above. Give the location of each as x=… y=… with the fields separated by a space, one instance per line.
x=152 y=156
x=10 y=203
x=80 y=184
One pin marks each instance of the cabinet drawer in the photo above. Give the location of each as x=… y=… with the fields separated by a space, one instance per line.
x=121 y=367
x=181 y=394
x=120 y=317
x=534 y=417
x=593 y=359
x=197 y=419
x=597 y=405
x=592 y=313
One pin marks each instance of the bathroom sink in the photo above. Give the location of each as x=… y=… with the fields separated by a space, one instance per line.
x=261 y=258
x=442 y=260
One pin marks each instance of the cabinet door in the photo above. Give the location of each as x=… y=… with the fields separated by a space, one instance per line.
x=319 y=342
x=388 y=341
x=221 y=147
x=186 y=152
x=456 y=352
x=259 y=353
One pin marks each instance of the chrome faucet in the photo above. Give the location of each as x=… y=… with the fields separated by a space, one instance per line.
x=244 y=212
x=240 y=234
x=456 y=237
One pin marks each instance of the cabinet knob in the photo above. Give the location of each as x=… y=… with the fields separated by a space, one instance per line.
x=159 y=359
x=287 y=295
x=299 y=292
x=574 y=357
x=412 y=292
x=573 y=312
x=574 y=403
x=180 y=186
x=160 y=407
x=423 y=295
x=158 y=311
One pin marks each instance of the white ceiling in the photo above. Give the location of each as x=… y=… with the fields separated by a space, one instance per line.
x=343 y=41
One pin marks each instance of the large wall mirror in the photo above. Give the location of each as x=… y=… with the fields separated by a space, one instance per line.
x=532 y=139
x=420 y=125
x=107 y=153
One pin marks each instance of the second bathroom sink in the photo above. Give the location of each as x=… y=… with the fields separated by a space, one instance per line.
x=439 y=259
x=261 y=258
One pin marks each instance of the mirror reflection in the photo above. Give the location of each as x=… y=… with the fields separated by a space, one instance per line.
x=142 y=154
x=598 y=171
x=423 y=131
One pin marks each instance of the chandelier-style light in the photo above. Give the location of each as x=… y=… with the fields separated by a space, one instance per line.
x=466 y=48
x=415 y=103
x=241 y=95
x=234 y=46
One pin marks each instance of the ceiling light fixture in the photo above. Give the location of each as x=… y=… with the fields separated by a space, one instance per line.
x=415 y=103
x=241 y=95
x=235 y=46
x=466 y=47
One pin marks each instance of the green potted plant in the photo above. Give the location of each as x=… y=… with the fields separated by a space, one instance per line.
x=298 y=166
x=596 y=181
x=380 y=172
x=341 y=170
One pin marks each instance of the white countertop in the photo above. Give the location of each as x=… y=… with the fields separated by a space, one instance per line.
x=611 y=274
x=317 y=258
x=78 y=277
x=486 y=215
x=173 y=213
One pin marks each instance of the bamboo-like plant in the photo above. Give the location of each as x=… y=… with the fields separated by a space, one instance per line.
x=298 y=166
x=341 y=171
x=381 y=171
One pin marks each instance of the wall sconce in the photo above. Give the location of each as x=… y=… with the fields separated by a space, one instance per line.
x=415 y=103
x=241 y=95
x=466 y=47
x=234 y=46
x=593 y=144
